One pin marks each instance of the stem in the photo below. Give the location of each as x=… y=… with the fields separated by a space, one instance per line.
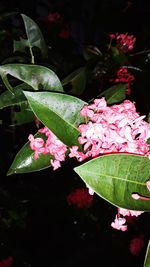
x=32 y=56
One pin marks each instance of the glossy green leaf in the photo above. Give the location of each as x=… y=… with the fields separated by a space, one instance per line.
x=38 y=77
x=59 y=112
x=25 y=163
x=147 y=256
x=77 y=81
x=34 y=35
x=25 y=115
x=8 y=99
x=114 y=177
x=115 y=94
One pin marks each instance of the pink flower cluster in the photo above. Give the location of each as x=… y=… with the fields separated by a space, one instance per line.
x=80 y=197
x=124 y=42
x=52 y=146
x=120 y=220
x=118 y=128
x=124 y=76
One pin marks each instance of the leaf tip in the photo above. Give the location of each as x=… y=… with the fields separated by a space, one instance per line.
x=10 y=172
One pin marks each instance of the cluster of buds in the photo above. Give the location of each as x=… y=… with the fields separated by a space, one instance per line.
x=124 y=42
x=124 y=76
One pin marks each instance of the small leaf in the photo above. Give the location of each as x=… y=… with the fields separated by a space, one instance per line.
x=38 y=77
x=77 y=81
x=115 y=94
x=25 y=163
x=114 y=177
x=34 y=35
x=147 y=256
x=59 y=112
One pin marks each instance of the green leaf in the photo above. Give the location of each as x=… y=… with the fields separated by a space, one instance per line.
x=147 y=256
x=118 y=56
x=59 y=112
x=20 y=45
x=25 y=163
x=8 y=99
x=38 y=77
x=114 y=177
x=115 y=94
x=25 y=115
x=34 y=35
x=77 y=81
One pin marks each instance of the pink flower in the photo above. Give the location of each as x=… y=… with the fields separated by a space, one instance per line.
x=126 y=212
x=148 y=185
x=55 y=164
x=120 y=218
x=119 y=224
x=52 y=146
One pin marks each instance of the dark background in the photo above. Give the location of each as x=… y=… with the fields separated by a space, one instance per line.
x=56 y=234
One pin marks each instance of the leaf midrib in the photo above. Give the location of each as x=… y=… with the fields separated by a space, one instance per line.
x=67 y=122
x=114 y=177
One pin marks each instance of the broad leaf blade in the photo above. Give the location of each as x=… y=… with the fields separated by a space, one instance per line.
x=147 y=256
x=115 y=94
x=115 y=177
x=25 y=163
x=38 y=77
x=34 y=35
x=59 y=112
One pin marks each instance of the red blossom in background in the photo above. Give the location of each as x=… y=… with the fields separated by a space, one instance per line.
x=124 y=76
x=65 y=32
x=6 y=262
x=54 y=17
x=124 y=42
x=80 y=197
x=136 y=245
